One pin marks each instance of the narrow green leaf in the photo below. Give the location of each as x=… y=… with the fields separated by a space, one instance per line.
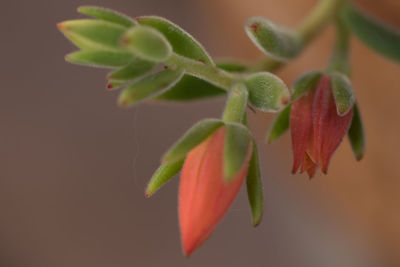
x=147 y=43
x=342 y=92
x=191 y=88
x=149 y=87
x=267 y=92
x=93 y=34
x=107 y=15
x=181 y=41
x=254 y=187
x=115 y=84
x=163 y=174
x=137 y=68
x=356 y=134
x=276 y=41
x=381 y=37
x=280 y=125
x=304 y=83
x=99 y=58
x=231 y=65
x=236 y=104
x=237 y=144
x=197 y=134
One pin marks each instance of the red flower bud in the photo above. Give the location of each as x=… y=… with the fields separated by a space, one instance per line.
x=316 y=128
x=204 y=195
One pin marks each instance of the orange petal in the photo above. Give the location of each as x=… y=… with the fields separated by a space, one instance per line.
x=204 y=197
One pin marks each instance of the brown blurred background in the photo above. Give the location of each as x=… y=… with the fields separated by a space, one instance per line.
x=73 y=166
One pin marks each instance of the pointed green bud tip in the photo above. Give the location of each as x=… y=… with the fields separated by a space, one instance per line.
x=147 y=43
x=276 y=41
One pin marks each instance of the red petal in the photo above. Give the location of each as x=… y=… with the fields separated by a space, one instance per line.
x=300 y=127
x=329 y=127
x=309 y=166
x=334 y=131
x=319 y=114
x=204 y=197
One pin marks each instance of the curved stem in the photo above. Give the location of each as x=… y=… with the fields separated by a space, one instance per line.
x=340 y=56
x=207 y=72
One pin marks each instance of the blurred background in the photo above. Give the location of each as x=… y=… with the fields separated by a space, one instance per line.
x=73 y=166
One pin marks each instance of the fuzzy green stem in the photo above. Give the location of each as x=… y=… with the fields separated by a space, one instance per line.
x=207 y=72
x=340 y=56
x=309 y=28
x=236 y=104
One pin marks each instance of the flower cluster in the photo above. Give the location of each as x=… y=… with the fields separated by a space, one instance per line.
x=153 y=59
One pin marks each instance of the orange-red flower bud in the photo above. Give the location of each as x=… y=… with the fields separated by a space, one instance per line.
x=204 y=195
x=316 y=128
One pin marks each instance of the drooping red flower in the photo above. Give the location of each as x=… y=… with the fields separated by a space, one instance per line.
x=204 y=195
x=316 y=128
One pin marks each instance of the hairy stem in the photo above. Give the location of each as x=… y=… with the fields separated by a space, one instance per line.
x=207 y=72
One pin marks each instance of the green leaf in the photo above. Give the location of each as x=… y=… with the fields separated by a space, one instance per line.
x=197 y=134
x=276 y=41
x=231 y=66
x=147 y=43
x=381 y=37
x=115 y=84
x=237 y=145
x=267 y=92
x=236 y=104
x=163 y=174
x=99 y=58
x=191 y=88
x=181 y=41
x=93 y=34
x=342 y=92
x=304 y=83
x=254 y=187
x=280 y=125
x=107 y=15
x=356 y=134
x=149 y=87
x=137 y=68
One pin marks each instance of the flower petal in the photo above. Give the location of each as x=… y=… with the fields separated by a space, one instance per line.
x=300 y=127
x=204 y=197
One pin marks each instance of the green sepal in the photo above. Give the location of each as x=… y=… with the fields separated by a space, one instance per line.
x=107 y=15
x=237 y=144
x=147 y=43
x=149 y=87
x=356 y=134
x=381 y=37
x=162 y=175
x=89 y=34
x=182 y=42
x=231 y=65
x=191 y=88
x=236 y=104
x=276 y=41
x=254 y=187
x=137 y=68
x=267 y=92
x=193 y=137
x=304 y=83
x=280 y=125
x=342 y=92
x=100 y=58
